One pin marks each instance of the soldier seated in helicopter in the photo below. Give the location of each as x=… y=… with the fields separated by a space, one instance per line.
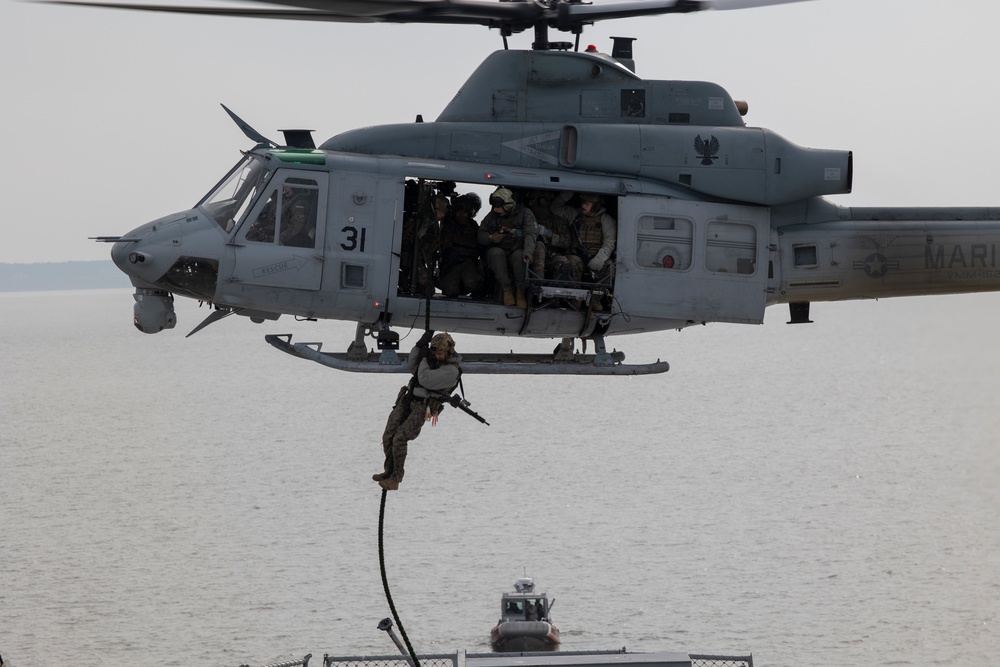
x=461 y=271
x=509 y=233
x=593 y=235
x=420 y=245
x=554 y=237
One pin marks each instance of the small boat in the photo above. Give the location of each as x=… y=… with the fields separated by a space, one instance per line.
x=525 y=623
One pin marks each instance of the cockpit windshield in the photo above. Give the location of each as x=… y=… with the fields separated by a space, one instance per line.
x=230 y=199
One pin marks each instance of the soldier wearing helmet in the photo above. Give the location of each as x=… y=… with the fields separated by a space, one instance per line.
x=437 y=369
x=461 y=270
x=295 y=227
x=553 y=234
x=509 y=232
x=429 y=243
x=594 y=235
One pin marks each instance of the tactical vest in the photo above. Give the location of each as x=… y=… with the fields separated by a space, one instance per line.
x=434 y=405
x=591 y=234
x=461 y=239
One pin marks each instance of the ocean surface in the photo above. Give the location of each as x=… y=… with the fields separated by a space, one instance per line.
x=824 y=494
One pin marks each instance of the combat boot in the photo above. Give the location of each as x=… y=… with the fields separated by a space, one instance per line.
x=508 y=296
x=379 y=476
x=389 y=484
x=522 y=297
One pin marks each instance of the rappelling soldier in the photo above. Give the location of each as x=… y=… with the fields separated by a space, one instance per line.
x=436 y=372
x=508 y=232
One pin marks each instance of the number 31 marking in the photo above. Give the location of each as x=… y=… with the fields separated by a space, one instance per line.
x=355 y=241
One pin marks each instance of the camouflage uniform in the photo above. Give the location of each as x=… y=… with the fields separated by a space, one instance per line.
x=508 y=237
x=556 y=233
x=461 y=270
x=420 y=246
x=594 y=235
x=413 y=405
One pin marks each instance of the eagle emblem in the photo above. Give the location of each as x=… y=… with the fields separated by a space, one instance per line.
x=708 y=150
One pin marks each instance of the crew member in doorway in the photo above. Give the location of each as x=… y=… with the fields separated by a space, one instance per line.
x=461 y=270
x=436 y=371
x=508 y=233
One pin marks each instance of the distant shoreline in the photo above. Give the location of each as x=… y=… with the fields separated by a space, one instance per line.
x=98 y=274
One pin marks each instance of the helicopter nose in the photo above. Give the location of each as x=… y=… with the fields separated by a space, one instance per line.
x=119 y=255
x=154 y=308
x=134 y=260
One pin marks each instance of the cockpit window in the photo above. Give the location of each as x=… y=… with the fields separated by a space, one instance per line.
x=296 y=199
x=230 y=199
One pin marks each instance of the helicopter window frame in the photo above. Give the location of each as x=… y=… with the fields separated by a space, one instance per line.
x=805 y=256
x=633 y=103
x=232 y=197
x=659 y=237
x=267 y=228
x=353 y=276
x=731 y=247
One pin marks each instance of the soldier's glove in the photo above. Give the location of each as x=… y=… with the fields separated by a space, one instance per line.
x=496 y=238
x=595 y=265
x=425 y=340
x=545 y=232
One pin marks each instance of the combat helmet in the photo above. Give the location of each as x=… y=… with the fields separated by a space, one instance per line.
x=439 y=203
x=443 y=343
x=470 y=201
x=502 y=197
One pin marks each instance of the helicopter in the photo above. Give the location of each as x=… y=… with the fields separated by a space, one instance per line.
x=715 y=220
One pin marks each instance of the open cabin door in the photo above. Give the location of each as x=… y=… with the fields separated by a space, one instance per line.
x=280 y=243
x=692 y=261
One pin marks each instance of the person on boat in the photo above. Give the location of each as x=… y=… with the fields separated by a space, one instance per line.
x=436 y=371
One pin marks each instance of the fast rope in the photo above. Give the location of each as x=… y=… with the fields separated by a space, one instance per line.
x=385 y=582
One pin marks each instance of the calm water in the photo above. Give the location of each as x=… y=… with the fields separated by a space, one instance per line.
x=819 y=495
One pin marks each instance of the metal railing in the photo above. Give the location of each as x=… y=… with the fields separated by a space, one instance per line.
x=459 y=660
x=433 y=660
x=721 y=660
x=304 y=662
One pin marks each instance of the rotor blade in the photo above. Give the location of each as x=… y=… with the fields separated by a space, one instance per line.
x=745 y=4
x=573 y=15
x=472 y=12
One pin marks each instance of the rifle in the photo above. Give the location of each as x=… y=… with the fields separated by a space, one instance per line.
x=456 y=401
x=581 y=250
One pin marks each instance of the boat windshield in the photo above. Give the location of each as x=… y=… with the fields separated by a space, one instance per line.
x=531 y=609
x=231 y=198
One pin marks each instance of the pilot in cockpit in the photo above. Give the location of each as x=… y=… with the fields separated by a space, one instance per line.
x=295 y=229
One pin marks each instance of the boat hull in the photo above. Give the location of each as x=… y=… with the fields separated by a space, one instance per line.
x=512 y=636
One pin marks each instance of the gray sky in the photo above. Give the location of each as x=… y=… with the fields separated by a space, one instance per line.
x=112 y=118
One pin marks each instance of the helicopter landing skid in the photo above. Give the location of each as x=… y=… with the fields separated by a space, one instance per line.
x=387 y=361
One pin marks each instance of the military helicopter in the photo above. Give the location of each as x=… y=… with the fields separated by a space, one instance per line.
x=715 y=220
